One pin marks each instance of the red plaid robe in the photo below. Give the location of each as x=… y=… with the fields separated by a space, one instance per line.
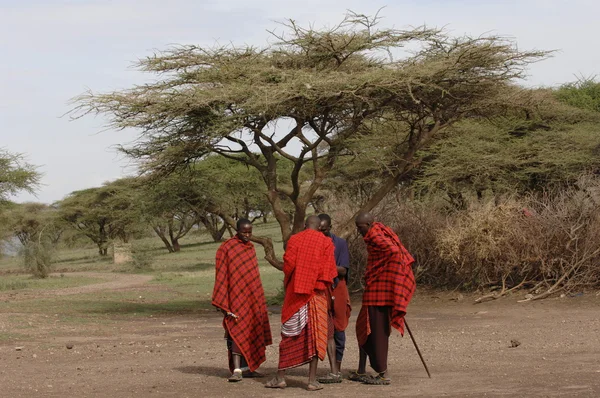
x=309 y=269
x=308 y=266
x=389 y=277
x=238 y=289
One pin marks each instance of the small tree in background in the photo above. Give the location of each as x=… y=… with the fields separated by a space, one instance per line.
x=16 y=175
x=104 y=213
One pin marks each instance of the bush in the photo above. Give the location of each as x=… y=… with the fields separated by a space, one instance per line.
x=141 y=259
x=546 y=243
x=37 y=257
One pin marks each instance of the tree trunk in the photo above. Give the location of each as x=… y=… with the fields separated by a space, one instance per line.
x=176 y=246
x=164 y=239
x=402 y=166
x=267 y=244
x=215 y=232
x=220 y=233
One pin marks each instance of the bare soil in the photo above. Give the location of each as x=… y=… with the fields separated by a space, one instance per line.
x=467 y=347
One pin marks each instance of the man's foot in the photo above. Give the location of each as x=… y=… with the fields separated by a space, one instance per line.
x=314 y=386
x=276 y=383
x=236 y=376
x=252 y=375
x=378 y=380
x=331 y=378
x=360 y=377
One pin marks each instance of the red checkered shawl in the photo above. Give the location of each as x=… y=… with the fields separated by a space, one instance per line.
x=238 y=289
x=308 y=266
x=389 y=277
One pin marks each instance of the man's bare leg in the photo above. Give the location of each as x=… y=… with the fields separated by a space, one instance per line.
x=361 y=373
x=331 y=355
x=237 y=361
x=312 y=370
x=338 y=366
x=237 y=372
x=362 y=362
x=313 y=384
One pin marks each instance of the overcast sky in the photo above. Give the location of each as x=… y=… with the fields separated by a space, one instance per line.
x=53 y=50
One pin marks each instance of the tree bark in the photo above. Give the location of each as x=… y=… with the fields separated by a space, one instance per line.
x=401 y=166
x=164 y=239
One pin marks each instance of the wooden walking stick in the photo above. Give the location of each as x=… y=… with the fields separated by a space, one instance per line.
x=417 y=347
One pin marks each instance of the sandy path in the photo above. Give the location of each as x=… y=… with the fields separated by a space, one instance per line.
x=114 y=281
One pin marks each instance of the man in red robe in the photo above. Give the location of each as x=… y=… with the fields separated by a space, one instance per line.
x=390 y=285
x=239 y=294
x=340 y=308
x=309 y=269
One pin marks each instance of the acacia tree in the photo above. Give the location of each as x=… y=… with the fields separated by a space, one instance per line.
x=300 y=100
x=16 y=175
x=26 y=222
x=103 y=213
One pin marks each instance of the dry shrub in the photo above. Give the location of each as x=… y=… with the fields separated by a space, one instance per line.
x=416 y=223
x=548 y=244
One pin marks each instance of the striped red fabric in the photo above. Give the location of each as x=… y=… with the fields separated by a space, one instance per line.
x=238 y=289
x=389 y=277
x=312 y=341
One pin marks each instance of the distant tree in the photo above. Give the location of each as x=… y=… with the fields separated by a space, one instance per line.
x=26 y=220
x=213 y=188
x=302 y=99
x=475 y=158
x=584 y=94
x=16 y=175
x=108 y=212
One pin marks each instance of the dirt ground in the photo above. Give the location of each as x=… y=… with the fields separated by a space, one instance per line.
x=467 y=347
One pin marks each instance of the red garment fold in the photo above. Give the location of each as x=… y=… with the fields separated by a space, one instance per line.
x=309 y=267
x=238 y=289
x=389 y=277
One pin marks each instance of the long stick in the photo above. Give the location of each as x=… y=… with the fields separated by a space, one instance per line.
x=417 y=347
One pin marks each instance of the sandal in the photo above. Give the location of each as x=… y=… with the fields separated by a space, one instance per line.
x=314 y=386
x=331 y=378
x=276 y=383
x=235 y=376
x=360 y=377
x=378 y=380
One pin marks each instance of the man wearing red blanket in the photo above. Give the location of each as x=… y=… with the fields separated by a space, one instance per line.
x=309 y=269
x=239 y=294
x=390 y=285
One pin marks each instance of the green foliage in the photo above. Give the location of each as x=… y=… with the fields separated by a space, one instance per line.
x=142 y=258
x=26 y=220
x=104 y=213
x=16 y=175
x=298 y=102
x=38 y=256
x=478 y=157
x=583 y=94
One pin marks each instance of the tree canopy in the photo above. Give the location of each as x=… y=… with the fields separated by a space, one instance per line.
x=16 y=175
x=104 y=213
x=301 y=100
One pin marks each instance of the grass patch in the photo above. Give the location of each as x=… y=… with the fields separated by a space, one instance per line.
x=182 y=283
x=20 y=282
x=10 y=337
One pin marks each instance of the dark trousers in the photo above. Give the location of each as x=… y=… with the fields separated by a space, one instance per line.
x=377 y=343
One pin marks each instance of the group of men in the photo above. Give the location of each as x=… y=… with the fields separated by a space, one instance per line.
x=316 y=307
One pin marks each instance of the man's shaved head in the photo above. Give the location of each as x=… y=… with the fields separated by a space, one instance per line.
x=363 y=223
x=312 y=222
x=364 y=218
